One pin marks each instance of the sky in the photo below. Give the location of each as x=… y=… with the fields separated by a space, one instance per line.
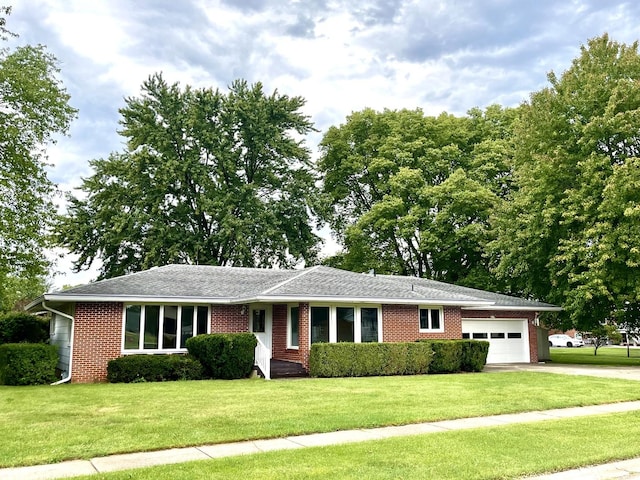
x=341 y=56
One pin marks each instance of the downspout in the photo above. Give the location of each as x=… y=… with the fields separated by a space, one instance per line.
x=57 y=312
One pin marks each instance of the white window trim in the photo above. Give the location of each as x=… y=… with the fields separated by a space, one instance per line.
x=143 y=306
x=289 y=345
x=357 y=322
x=441 y=316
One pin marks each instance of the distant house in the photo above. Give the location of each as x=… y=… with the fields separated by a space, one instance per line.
x=157 y=310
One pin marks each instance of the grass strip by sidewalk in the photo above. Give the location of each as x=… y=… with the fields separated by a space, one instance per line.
x=50 y=424
x=613 y=356
x=505 y=452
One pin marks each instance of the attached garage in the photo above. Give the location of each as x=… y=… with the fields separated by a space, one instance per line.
x=508 y=338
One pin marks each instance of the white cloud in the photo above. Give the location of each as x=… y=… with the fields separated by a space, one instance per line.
x=340 y=55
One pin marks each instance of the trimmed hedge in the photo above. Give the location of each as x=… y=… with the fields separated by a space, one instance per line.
x=17 y=327
x=474 y=355
x=224 y=355
x=28 y=363
x=369 y=359
x=153 y=368
x=447 y=356
x=451 y=356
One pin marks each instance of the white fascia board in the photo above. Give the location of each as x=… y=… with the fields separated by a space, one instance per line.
x=134 y=299
x=35 y=303
x=515 y=308
x=381 y=300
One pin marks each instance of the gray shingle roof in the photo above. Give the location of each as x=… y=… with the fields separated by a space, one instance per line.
x=226 y=284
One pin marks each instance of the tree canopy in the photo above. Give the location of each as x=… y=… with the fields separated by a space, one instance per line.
x=571 y=234
x=412 y=194
x=35 y=108
x=206 y=178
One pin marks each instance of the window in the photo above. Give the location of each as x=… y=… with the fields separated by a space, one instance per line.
x=431 y=320
x=465 y=335
x=170 y=326
x=369 y=324
x=480 y=336
x=514 y=335
x=319 y=324
x=163 y=327
x=132 y=327
x=497 y=335
x=345 y=323
x=259 y=321
x=345 y=319
x=293 y=327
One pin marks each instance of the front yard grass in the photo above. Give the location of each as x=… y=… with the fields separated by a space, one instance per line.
x=48 y=424
x=505 y=452
x=614 y=356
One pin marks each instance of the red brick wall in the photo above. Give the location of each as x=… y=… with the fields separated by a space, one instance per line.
x=529 y=316
x=401 y=323
x=97 y=338
x=229 y=318
x=280 y=350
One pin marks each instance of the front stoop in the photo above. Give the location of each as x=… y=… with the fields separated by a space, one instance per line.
x=285 y=369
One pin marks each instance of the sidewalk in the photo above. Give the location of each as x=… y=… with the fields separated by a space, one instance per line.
x=626 y=469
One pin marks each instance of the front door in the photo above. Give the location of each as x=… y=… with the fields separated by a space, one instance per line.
x=260 y=323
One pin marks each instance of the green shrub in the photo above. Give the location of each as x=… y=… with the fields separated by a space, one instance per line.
x=474 y=355
x=17 y=327
x=153 y=368
x=224 y=355
x=368 y=359
x=447 y=356
x=27 y=363
x=450 y=356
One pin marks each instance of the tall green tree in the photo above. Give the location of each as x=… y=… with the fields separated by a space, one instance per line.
x=206 y=178
x=34 y=109
x=571 y=235
x=412 y=194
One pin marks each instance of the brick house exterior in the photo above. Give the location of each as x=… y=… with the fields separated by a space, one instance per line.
x=103 y=327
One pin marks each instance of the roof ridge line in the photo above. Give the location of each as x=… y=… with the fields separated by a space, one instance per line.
x=284 y=282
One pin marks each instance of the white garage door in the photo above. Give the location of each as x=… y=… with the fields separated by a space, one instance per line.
x=508 y=339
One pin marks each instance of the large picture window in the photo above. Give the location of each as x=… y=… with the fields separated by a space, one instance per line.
x=345 y=323
x=163 y=327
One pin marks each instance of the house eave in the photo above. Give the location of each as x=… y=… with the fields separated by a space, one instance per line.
x=134 y=299
x=516 y=308
x=69 y=298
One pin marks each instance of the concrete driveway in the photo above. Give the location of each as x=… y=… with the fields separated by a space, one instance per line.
x=626 y=373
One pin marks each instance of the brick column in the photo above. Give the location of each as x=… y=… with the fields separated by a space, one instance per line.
x=303 y=338
x=97 y=338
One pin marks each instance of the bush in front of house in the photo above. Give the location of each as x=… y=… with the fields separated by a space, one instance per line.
x=153 y=368
x=224 y=355
x=474 y=355
x=28 y=363
x=447 y=356
x=368 y=359
x=18 y=327
x=451 y=356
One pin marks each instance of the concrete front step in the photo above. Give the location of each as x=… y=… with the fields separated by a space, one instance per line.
x=285 y=369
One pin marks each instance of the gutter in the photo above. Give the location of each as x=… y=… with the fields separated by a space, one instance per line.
x=57 y=312
x=532 y=308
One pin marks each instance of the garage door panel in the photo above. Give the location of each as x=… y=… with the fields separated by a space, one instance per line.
x=508 y=339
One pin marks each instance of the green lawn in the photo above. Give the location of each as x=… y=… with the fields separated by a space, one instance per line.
x=486 y=453
x=606 y=356
x=48 y=424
